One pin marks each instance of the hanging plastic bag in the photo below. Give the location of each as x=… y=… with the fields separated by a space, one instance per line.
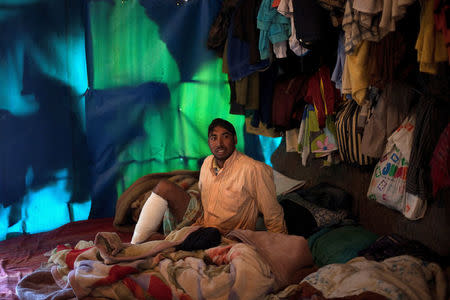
x=388 y=184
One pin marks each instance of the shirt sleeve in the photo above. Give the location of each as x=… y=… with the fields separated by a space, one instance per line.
x=267 y=199
x=200 y=220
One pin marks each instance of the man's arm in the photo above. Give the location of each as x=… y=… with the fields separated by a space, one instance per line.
x=267 y=200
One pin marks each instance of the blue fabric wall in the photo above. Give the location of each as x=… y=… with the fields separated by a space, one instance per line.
x=97 y=93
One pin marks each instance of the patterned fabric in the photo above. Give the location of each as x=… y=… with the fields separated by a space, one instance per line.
x=355 y=33
x=349 y=135
x=313 y=139
x=396 y=278
x=392 y=245
x=193 y=211
x=388 y=182
x=324 y=217
x=215 y=166
x=154 y=270
x=368 y=20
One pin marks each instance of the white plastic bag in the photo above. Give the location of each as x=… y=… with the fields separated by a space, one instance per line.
x=388 y=184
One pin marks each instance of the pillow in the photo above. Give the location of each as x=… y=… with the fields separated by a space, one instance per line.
x=327 y=196
x=323 y=217
x=299 y=220
x=284 y=184
x=339 y=245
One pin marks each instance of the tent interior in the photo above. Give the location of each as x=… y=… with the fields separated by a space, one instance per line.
x=97 y=94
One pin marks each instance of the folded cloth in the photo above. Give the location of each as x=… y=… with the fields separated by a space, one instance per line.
x=112 y=250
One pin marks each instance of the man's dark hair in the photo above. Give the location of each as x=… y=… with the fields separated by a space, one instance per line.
x=222 y=123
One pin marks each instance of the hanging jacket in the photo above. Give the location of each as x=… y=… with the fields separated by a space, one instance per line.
x=322 y=94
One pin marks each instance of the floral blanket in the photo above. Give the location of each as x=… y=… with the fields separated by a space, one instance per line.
x=395 y=278
x=246 y=265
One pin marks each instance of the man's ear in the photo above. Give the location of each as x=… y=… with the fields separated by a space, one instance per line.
x=235 y=140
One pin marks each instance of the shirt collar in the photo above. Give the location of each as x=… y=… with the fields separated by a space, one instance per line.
x=215 y=167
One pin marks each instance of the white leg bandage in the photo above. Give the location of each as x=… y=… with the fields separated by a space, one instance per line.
x=150 y=217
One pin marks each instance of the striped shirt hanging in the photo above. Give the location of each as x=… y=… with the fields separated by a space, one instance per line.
x=349 y=135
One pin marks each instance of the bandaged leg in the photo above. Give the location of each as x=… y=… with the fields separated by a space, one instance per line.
x=150 y=218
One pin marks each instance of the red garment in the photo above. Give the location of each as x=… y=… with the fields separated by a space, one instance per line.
x=286 y=94
x=324 y=106
x=275 y=3
x=440 y=162
x=441 y=15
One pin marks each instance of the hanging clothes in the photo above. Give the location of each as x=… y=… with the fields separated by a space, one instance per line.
x=389 y=11
x=391 y=108
x=322 y=94
x=355 y=79
x=336 y=10
x=320 y=142
x=263 y=115
x=274 y=28
x=371 y=20
x=242 y=42
x=431 y=121
x=286 y=94
x=349 y=135
x=338 y=71
x=310 y=22
x=218 y=32
x=442 y=21
x=430 y=44
x=355 y=32
x=440 y=162
x=304 y=146
x=244 y=26
x=286 y=8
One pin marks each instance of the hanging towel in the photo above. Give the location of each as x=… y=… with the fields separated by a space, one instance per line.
x=355 y=79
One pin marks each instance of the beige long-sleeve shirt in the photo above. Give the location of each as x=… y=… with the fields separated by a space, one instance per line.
x=241 y=189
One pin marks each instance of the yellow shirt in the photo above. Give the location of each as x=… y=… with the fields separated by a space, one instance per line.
x=233 y=198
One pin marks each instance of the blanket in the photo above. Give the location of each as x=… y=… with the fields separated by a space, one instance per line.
x=108 y=268
x=129 y=204
x=285 y=254
x=398 y=277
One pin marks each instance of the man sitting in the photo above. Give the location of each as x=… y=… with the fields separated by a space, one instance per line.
x=234 y=189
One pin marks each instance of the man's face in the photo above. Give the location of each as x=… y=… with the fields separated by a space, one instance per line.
x=222 y=144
